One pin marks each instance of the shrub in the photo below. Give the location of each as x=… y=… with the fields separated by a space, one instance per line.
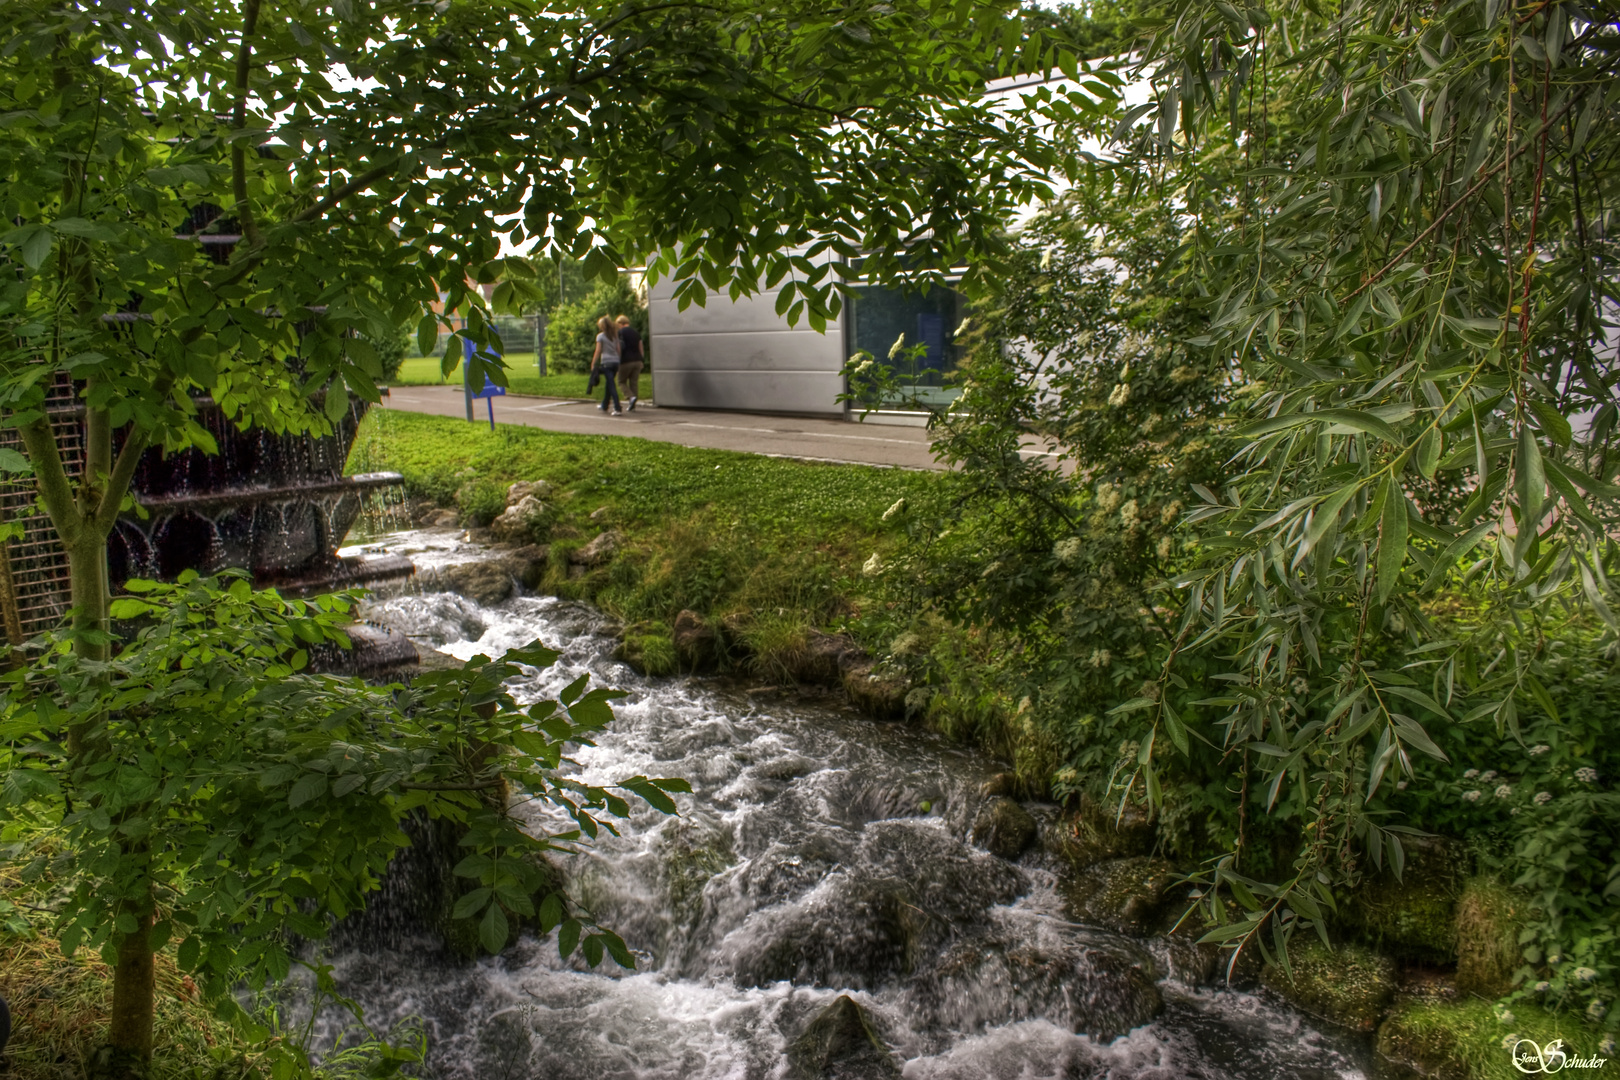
x=571 y=331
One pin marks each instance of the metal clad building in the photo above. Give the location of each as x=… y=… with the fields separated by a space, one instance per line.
x=742 y=355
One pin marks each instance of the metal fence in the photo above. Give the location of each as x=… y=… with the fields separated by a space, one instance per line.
x=519 y=334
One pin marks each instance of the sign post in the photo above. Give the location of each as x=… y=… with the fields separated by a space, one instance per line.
x=489 y=392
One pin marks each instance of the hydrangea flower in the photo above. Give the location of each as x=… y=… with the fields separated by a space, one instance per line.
x=1586 y=774
x=1470 y=774
x=1470 y=796
x=1543 y=798
x=1504 y=791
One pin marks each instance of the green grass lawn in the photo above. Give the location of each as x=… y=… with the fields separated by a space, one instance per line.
x=521 y=378
x=777 y=542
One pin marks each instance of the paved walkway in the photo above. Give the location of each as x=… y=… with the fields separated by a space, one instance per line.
x=810 y=438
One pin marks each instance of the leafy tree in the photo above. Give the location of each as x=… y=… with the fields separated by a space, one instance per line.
x=1393 y=245
x=238 y=799
x=1416 y=278
x=370 y=157
x=571 y=331
x=1094 y=29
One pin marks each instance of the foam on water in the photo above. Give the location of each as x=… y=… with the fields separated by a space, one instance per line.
x=769 y=894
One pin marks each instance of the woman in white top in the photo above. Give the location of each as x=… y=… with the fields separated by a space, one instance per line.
x=607 y=356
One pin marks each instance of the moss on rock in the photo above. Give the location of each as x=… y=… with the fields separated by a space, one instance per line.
x=1466 y=1039
x=1413 y=917
x=1489 y=918
x=649 y=649
x=1348 y=985
x=1125 y=895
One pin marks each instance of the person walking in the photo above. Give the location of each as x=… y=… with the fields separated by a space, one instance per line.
x=606 y=358
x=632 y=357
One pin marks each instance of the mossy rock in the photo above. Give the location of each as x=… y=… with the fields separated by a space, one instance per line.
x=1349 y=985
x=841 y=1044
x=1466 y=1039
x=1489 y=918
x=1097 y=833
x=692 y=856
x=1414 y=917
x=880 y=694
x=1125 y=895
x=1004 y=828
x=649 y=649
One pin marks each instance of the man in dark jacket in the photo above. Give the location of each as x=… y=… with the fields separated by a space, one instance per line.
x=631 y=359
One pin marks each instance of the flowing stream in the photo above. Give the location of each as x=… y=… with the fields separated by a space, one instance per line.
x=821 y=853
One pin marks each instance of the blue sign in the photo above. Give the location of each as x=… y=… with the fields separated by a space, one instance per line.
x=490 y=387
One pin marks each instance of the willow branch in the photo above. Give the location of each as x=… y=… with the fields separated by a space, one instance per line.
x=1448 y=211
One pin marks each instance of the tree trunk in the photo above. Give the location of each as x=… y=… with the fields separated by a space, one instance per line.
x=134 y=1001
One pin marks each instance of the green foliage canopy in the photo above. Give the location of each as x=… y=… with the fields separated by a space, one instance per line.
x=1370 y=379
x=238 y=801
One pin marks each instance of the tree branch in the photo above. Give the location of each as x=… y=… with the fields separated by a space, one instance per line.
x=1507 y=159
x=54 y=488
x=118 y=482
x=244 y=55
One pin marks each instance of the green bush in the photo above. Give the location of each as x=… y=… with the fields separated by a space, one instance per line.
x=392 y=351
x=571 y=331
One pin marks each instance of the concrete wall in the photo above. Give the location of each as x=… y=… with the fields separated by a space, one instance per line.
x=741 y=355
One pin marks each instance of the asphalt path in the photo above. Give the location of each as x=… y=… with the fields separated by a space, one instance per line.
x=807 y=438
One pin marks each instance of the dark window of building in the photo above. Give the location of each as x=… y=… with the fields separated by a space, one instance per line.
x=878 y=316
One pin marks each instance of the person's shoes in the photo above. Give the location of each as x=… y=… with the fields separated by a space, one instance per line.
x=633 y=404
x=601 y=408
x=618 y=412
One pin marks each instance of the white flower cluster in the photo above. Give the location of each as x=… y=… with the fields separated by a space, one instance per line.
x=1470 y=774
x=1130 y=515
x=1538 y=749
x=1067 y=551
x=1504 y=791
x=1584 y=974
x=1487 y=776
x=899 y=343
x=1595 y=1011
x=873 y=566
x=898 y=508
x=1470 y=796
x=1543 y=798
x=1300 y=686
x=1120 y=395
x=1543 y=986
x=1108 y=497
x=1101 y=658
x=1586 y=774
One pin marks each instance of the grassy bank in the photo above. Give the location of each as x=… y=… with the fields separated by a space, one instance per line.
x=775 y=546
x=521 y=378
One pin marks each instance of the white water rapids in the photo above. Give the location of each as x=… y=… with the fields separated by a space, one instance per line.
x=774 y=891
